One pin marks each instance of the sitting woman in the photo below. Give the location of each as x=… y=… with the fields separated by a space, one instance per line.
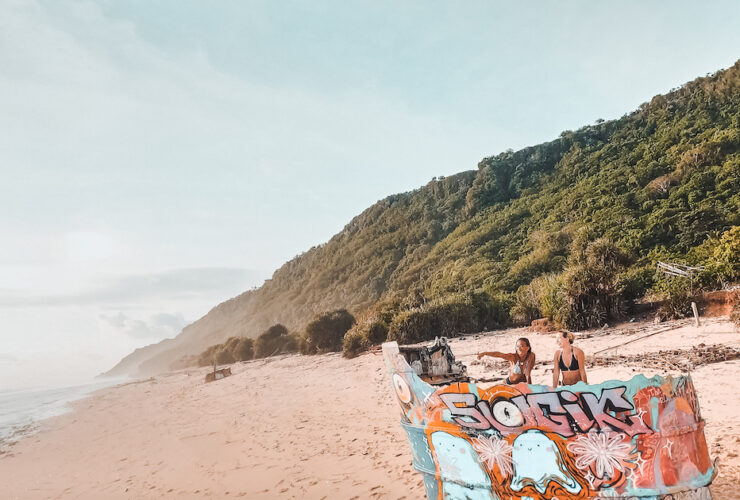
x=521 y=362
x=569 y=360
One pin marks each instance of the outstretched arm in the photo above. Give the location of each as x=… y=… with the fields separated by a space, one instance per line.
x=496 y=354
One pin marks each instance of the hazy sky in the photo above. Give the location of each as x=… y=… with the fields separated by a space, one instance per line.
x=157 y=158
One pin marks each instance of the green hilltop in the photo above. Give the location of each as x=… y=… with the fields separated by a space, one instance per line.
x=571 y=229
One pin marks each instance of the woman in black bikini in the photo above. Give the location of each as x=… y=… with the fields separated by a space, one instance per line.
x=521 y=361
x=569 y=360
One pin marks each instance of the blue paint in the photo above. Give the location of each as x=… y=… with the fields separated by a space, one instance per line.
x=422 y=459
x=537 y=462
x=460 y=471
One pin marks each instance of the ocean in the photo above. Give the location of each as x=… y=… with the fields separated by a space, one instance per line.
x=21 y=411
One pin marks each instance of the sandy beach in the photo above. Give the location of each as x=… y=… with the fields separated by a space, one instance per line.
x=321 y=426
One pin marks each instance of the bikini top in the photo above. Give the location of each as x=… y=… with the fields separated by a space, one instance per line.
x=519 y=363
x=573 y=363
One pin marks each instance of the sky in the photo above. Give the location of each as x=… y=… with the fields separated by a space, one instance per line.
x=158 y=158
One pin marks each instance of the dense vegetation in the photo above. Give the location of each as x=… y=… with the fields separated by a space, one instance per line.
x=326 y=331
x=570 y=229
x=323 y=334
x=234 y=349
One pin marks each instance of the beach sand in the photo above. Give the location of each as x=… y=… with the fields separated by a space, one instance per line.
x=311 y=426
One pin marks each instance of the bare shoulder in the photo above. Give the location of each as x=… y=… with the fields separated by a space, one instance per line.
x=557 y=353
x=578 y=351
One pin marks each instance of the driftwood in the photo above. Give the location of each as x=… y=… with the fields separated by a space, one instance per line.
x=668 y=328
x=218 y=374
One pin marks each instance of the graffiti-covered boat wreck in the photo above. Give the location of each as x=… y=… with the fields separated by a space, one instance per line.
x=642 y=438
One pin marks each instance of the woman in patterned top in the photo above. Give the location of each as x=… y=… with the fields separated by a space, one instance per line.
x=521 y=362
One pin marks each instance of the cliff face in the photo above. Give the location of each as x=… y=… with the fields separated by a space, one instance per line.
x=660 y=180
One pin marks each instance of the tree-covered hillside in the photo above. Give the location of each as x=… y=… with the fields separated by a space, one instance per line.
x=661 y=183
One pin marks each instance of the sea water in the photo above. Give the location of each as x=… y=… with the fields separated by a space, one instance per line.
x=21 y=411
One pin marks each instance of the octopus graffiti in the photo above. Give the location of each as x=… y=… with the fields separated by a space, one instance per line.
x=642 y=438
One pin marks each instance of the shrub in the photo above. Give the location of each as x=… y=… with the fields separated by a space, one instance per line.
x=455 y=316
x=377 y=332
x=326 y=331
x=370 y=329
x=548 y=289
x=589 y=286
x=724 y=264
x=273 y=341
x=412 y=326
x=675 y=294
x=468 y=313
x=292 y=343
x=224 y=357
x=208 y=356
x=543 y=297
x=234 y=349
x=635 y=282
x=243 y=350
x=492 y=310
x=354 y=342
x=526 y=305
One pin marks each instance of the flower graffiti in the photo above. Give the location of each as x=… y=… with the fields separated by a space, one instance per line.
x=603 y=453
x=494 y=452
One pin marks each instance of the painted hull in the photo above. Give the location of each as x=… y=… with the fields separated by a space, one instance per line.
x=643 y=438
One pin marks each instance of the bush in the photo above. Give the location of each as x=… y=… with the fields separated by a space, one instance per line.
x=462 y=314
x=377 y=332
x=354 y=342
x=293 y=343
x=243 y=350
x=326 y=331
x=548 y=289
x=224 y=357
x=370 y=329
x=541 y=298
x=412 y=326
x=589 y=286
x=234 y=349
x=526 y=305
x=635 y=282
x=273 y=341
x=208 y=357
x=492 y=310
x=724 y=264
x=675 y=294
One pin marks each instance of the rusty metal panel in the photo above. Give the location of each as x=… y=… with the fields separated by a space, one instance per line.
x=642 y=438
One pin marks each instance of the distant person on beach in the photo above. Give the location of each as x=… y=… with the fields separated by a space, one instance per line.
x=569 y=360
x=521 y=362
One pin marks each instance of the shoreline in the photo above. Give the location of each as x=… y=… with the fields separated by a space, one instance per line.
x=24 y=411
x=308 y=426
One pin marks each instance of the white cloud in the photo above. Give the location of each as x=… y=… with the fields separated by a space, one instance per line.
x=157 y=326
x=173 y=285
